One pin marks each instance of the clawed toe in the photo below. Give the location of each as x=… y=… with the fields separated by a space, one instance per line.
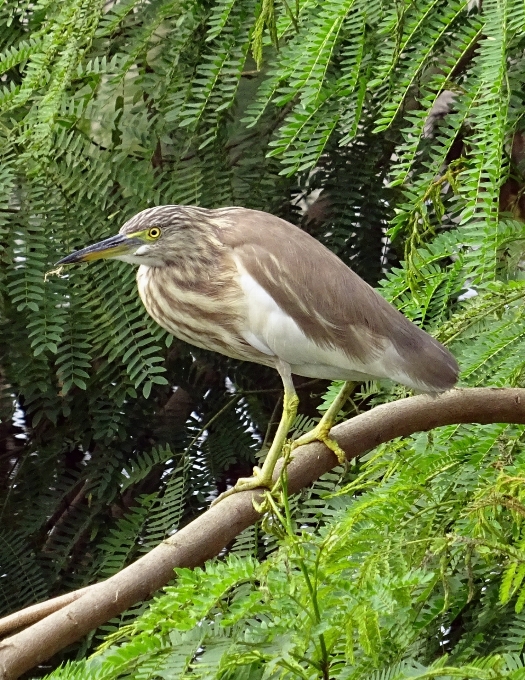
x=321 y=434
x=258 y=481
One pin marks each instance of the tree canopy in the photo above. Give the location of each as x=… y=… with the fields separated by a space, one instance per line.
x=391 y=131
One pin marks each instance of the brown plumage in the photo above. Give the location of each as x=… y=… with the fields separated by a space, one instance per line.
x=252 y=286
x=198 y=298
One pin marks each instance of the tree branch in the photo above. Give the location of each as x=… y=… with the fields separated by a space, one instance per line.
x=66 y=619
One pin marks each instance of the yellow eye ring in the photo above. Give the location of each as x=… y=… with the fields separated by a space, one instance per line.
x=154 y=232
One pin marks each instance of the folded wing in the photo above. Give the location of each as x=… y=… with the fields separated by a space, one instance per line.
x=307 y=307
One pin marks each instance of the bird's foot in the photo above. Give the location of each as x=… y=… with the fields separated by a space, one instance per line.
x=321 y=433
x=262 y=478
x=259 y=480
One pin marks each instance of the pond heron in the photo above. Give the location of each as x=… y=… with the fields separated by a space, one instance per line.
x=254 y=287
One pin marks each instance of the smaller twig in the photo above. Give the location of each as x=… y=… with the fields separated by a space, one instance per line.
x=271 y=422
x=203 y=429
x=36 y=612
x=293 y=19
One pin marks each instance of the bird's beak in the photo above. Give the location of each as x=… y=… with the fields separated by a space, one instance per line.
x=121 y=244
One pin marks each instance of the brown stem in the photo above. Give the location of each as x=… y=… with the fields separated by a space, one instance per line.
x=206 y=536
x=36 y=612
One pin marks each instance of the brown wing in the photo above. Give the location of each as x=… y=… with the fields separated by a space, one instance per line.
x=331 y=304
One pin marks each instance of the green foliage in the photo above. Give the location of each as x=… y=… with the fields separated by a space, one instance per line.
x=393 y=132
x=414 y=569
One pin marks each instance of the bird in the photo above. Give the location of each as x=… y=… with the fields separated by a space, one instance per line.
x=254 y=287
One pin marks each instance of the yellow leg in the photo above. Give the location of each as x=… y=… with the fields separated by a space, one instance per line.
x=262 y=477
x=321 y=431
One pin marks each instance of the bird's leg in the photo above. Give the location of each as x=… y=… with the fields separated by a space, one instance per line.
x=321 y=431
x=262 y=477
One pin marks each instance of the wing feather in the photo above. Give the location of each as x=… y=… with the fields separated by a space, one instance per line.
x=331 y=305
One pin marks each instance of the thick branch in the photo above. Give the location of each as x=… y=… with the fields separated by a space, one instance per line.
x=206 y=536
x=36 y=612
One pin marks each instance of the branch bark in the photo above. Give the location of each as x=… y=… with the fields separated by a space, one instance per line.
x=64 y=620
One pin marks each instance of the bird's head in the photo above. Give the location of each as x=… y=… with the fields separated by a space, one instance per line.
x=154 y=237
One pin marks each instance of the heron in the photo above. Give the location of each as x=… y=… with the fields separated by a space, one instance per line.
x=254 y=287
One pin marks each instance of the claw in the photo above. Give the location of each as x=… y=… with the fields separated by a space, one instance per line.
x=257 y=481
x=321 y=433
x=336 y=449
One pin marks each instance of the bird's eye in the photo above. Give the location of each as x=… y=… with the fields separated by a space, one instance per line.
x=154 y=232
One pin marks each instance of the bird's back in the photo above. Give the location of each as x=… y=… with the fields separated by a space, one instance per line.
x=347 y=324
